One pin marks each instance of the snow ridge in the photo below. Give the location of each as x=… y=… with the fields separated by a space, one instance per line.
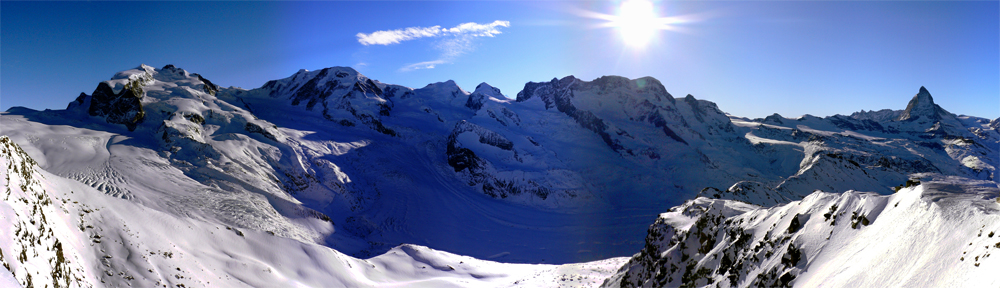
x=826 y=239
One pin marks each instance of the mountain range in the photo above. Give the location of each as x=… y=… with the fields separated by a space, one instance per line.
x=160 y=177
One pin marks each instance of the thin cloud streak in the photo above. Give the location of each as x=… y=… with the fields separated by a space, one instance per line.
x=395 y=36
x=423 y=65
x=471 y=29
x=457 y=40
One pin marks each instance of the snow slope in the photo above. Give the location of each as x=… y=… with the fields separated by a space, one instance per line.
x=80 y=237
x=941 y=232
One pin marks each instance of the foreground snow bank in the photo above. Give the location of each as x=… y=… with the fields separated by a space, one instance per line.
x=65 y=233
x=940 y=232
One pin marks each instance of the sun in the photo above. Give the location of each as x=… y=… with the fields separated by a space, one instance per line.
x=637 y=22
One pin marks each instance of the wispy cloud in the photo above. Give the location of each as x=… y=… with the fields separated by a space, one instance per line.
x=387 y=37
x=423 y=65
x=456 y=40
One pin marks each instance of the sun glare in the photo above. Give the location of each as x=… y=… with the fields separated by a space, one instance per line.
x=637 y=22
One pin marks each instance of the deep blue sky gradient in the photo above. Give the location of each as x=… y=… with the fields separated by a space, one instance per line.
x=751 y=58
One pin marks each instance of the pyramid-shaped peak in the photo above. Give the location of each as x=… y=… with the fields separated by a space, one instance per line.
x=923 y=97
x=922 y=105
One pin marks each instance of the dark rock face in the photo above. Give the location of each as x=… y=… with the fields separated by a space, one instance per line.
x=125 y=107
x=482 y=93
x=254 y=128
x=79 y=100
x=500 y=188
x=194 y=118
x=475 y=101
x=310 y=91
x=210 y=87
x=485 y=136
x=480 y=171
x=462 y=158
x=657 y=120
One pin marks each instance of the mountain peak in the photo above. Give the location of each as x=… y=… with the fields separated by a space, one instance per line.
x=448 y=86
x=488 y=90
x=922 y=105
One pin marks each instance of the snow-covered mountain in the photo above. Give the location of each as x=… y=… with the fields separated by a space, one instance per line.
x=941 y=231
x=330 y=164
x=69 y=234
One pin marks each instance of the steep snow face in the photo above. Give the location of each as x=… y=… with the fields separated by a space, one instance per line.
x=63 y=233
x=851 y=239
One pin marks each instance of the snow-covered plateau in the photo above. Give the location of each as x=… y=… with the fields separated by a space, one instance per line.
x=161 y=178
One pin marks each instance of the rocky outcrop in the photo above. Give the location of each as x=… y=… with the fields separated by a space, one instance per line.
x=480 y=172
x=36 y=257
x=820 y=239
x=124 y=107
x=481 y=95
x=721 y=242
x=254 y=128
x=209 y=87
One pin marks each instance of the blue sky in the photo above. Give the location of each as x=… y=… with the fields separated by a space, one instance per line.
x=751 y=58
